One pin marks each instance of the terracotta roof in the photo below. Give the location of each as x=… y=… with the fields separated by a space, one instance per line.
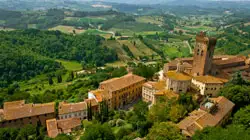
x=65 y=108
x=122 y=82
x=156 y=85
x=223 y=56
x=12 y=104
x=55 y=127
x=177 y=76
x=101 y=94
x=198 y=119
x=168 y=93
x=235 y=69
x=210 y=79
x=92 y=101
x=27 y=110
x=230 y=60
x=224 y=106
x=67 y=124
x=52 y=128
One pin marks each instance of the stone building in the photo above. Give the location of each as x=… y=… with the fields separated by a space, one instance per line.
x=208 y=85
x=150 y=88
x=18 y=114
x=212 y=112
x=178 y=81
x=72 y=110
x=101 y=95
x=203 y=55
x=204 y=63
x=93 y=103
x=121 y=91
x=66 y=126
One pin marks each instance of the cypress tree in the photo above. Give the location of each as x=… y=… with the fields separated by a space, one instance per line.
x=50 y=80
x=59 y=79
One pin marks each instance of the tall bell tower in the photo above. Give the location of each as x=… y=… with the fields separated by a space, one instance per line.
x=203 y=54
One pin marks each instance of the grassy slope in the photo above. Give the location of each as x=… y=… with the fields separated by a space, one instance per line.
x=122 y=55
x=70 y=65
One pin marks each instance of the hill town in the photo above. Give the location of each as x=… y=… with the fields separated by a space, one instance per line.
x=202 y=76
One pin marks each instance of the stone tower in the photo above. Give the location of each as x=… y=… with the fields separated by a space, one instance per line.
x=180 y=67
x=203 y=55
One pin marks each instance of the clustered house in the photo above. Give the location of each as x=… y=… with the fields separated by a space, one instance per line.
x=150 y=88
x=205 y=74
x=208 y=85
x=55 y=127
x=205 y=63
x=119 y=92
x=18 y=114
x=72 y=110
x=212 y=112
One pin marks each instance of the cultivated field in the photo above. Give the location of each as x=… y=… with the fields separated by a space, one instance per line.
x=67 y=29
x=150 y=19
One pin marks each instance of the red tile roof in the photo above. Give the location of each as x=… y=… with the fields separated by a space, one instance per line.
x=237 y=59
x=155 y=85
x=199 y=119
x=122 y=82
x=210 y=79
x=52 y=128
x=17 y=110
x=67 y=124
x=55 y=127
x=101 y=94
x=92 y=101
x=65 y=108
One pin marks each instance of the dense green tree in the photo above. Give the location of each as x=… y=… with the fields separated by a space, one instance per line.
x=164 y=131
x=141 y=110
x=232 y=132
x=63 y=137
x=145 y=71
x=187 y=101
x=159 y=112
x=242 y=117
x=122 y=132
x=27 y=53
x=237 y=79
x=98 y=131
x=26 y=132
x=8 y=133
x=240 y=95
x=177 y=112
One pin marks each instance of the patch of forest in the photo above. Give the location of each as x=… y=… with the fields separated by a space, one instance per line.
x=22 y=52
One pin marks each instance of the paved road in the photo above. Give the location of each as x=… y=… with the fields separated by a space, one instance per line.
x=190 y=48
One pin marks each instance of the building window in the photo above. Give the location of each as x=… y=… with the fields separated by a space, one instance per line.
x=201 y=53
x=198 y=52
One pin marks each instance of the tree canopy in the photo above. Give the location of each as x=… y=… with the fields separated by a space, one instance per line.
x=164 y=131
x=98 y=132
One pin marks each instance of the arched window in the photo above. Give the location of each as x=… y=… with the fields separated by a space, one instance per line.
x=202 y=53
x=198 y=52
